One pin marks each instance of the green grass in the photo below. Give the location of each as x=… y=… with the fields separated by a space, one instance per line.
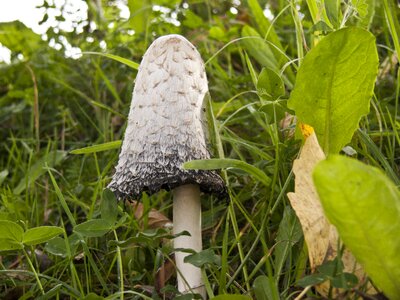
x=83 y=104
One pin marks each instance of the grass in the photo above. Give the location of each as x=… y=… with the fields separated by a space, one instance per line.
x=51 y=105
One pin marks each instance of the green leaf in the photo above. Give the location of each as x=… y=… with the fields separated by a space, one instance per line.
x=331 y=268
x=50 y=159
x=10 y=236
x=205 y=257
x=258 y=48
x=265 y=288
x=231 y=297
x=361 y=6
x=120 y=59
x=109 y=206
x=140 y=11
x=265 y=26
x=289 y=233
x=217 y=33
x=344 y=281
x=332 y=8
x=98 y=148
x=312 y=279
x=56 y=247
x=334 y=85
x=364 y=205
x=270 y=85
x=369 y=13
x=216 y=163
x=192 y=20
x=41 y=234
x=19 y=38
x=93 y=228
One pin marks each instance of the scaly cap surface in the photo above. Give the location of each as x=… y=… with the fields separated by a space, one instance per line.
x=165 y=123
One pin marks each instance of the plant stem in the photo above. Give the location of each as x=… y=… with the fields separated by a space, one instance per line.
x=120 y=268
x=187 y=216
x=34 y=271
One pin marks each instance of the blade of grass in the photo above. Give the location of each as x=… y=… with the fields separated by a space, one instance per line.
x=73 y=223
x=120 y=59
x=98 y=148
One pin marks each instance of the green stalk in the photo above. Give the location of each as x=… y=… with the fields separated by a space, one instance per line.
x=392 y=23
x=120 y=268
x=299 y=31
x=34 y=271
x=239 y=245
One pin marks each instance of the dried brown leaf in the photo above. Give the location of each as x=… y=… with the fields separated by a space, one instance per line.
x=155 y=219
x=321 y=237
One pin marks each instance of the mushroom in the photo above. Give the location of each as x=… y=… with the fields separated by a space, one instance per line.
x=166 y=127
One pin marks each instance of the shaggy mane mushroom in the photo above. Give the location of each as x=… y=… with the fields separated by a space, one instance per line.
x=165 y=129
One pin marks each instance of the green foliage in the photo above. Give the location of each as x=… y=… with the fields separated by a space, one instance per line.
x=364 y=205
x=41 y=234
x=12 y=235
x=214 y=164
x=331 y=94
x=203 y=258
x=270 y=85
x=265 y=288
x=332 y=271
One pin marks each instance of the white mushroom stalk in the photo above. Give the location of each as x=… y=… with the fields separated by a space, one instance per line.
x=165 y=129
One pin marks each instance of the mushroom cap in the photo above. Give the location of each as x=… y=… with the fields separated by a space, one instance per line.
x=166 y=124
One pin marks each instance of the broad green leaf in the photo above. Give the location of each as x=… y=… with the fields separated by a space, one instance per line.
x=57 y=247
x=216 y=163
x=270 y=85
x=93 y=228
x=205 y=257
x=10 y=236
x=334 y=85
x=98 y=148
x=11 y=230
x=37 y=235
x=50 y=159
x=265 y=288
x=364 y=205
x=120 y=59
x=109 y=206
x=231 y=297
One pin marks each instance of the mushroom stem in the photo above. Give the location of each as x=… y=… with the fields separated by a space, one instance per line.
x=187 y=216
